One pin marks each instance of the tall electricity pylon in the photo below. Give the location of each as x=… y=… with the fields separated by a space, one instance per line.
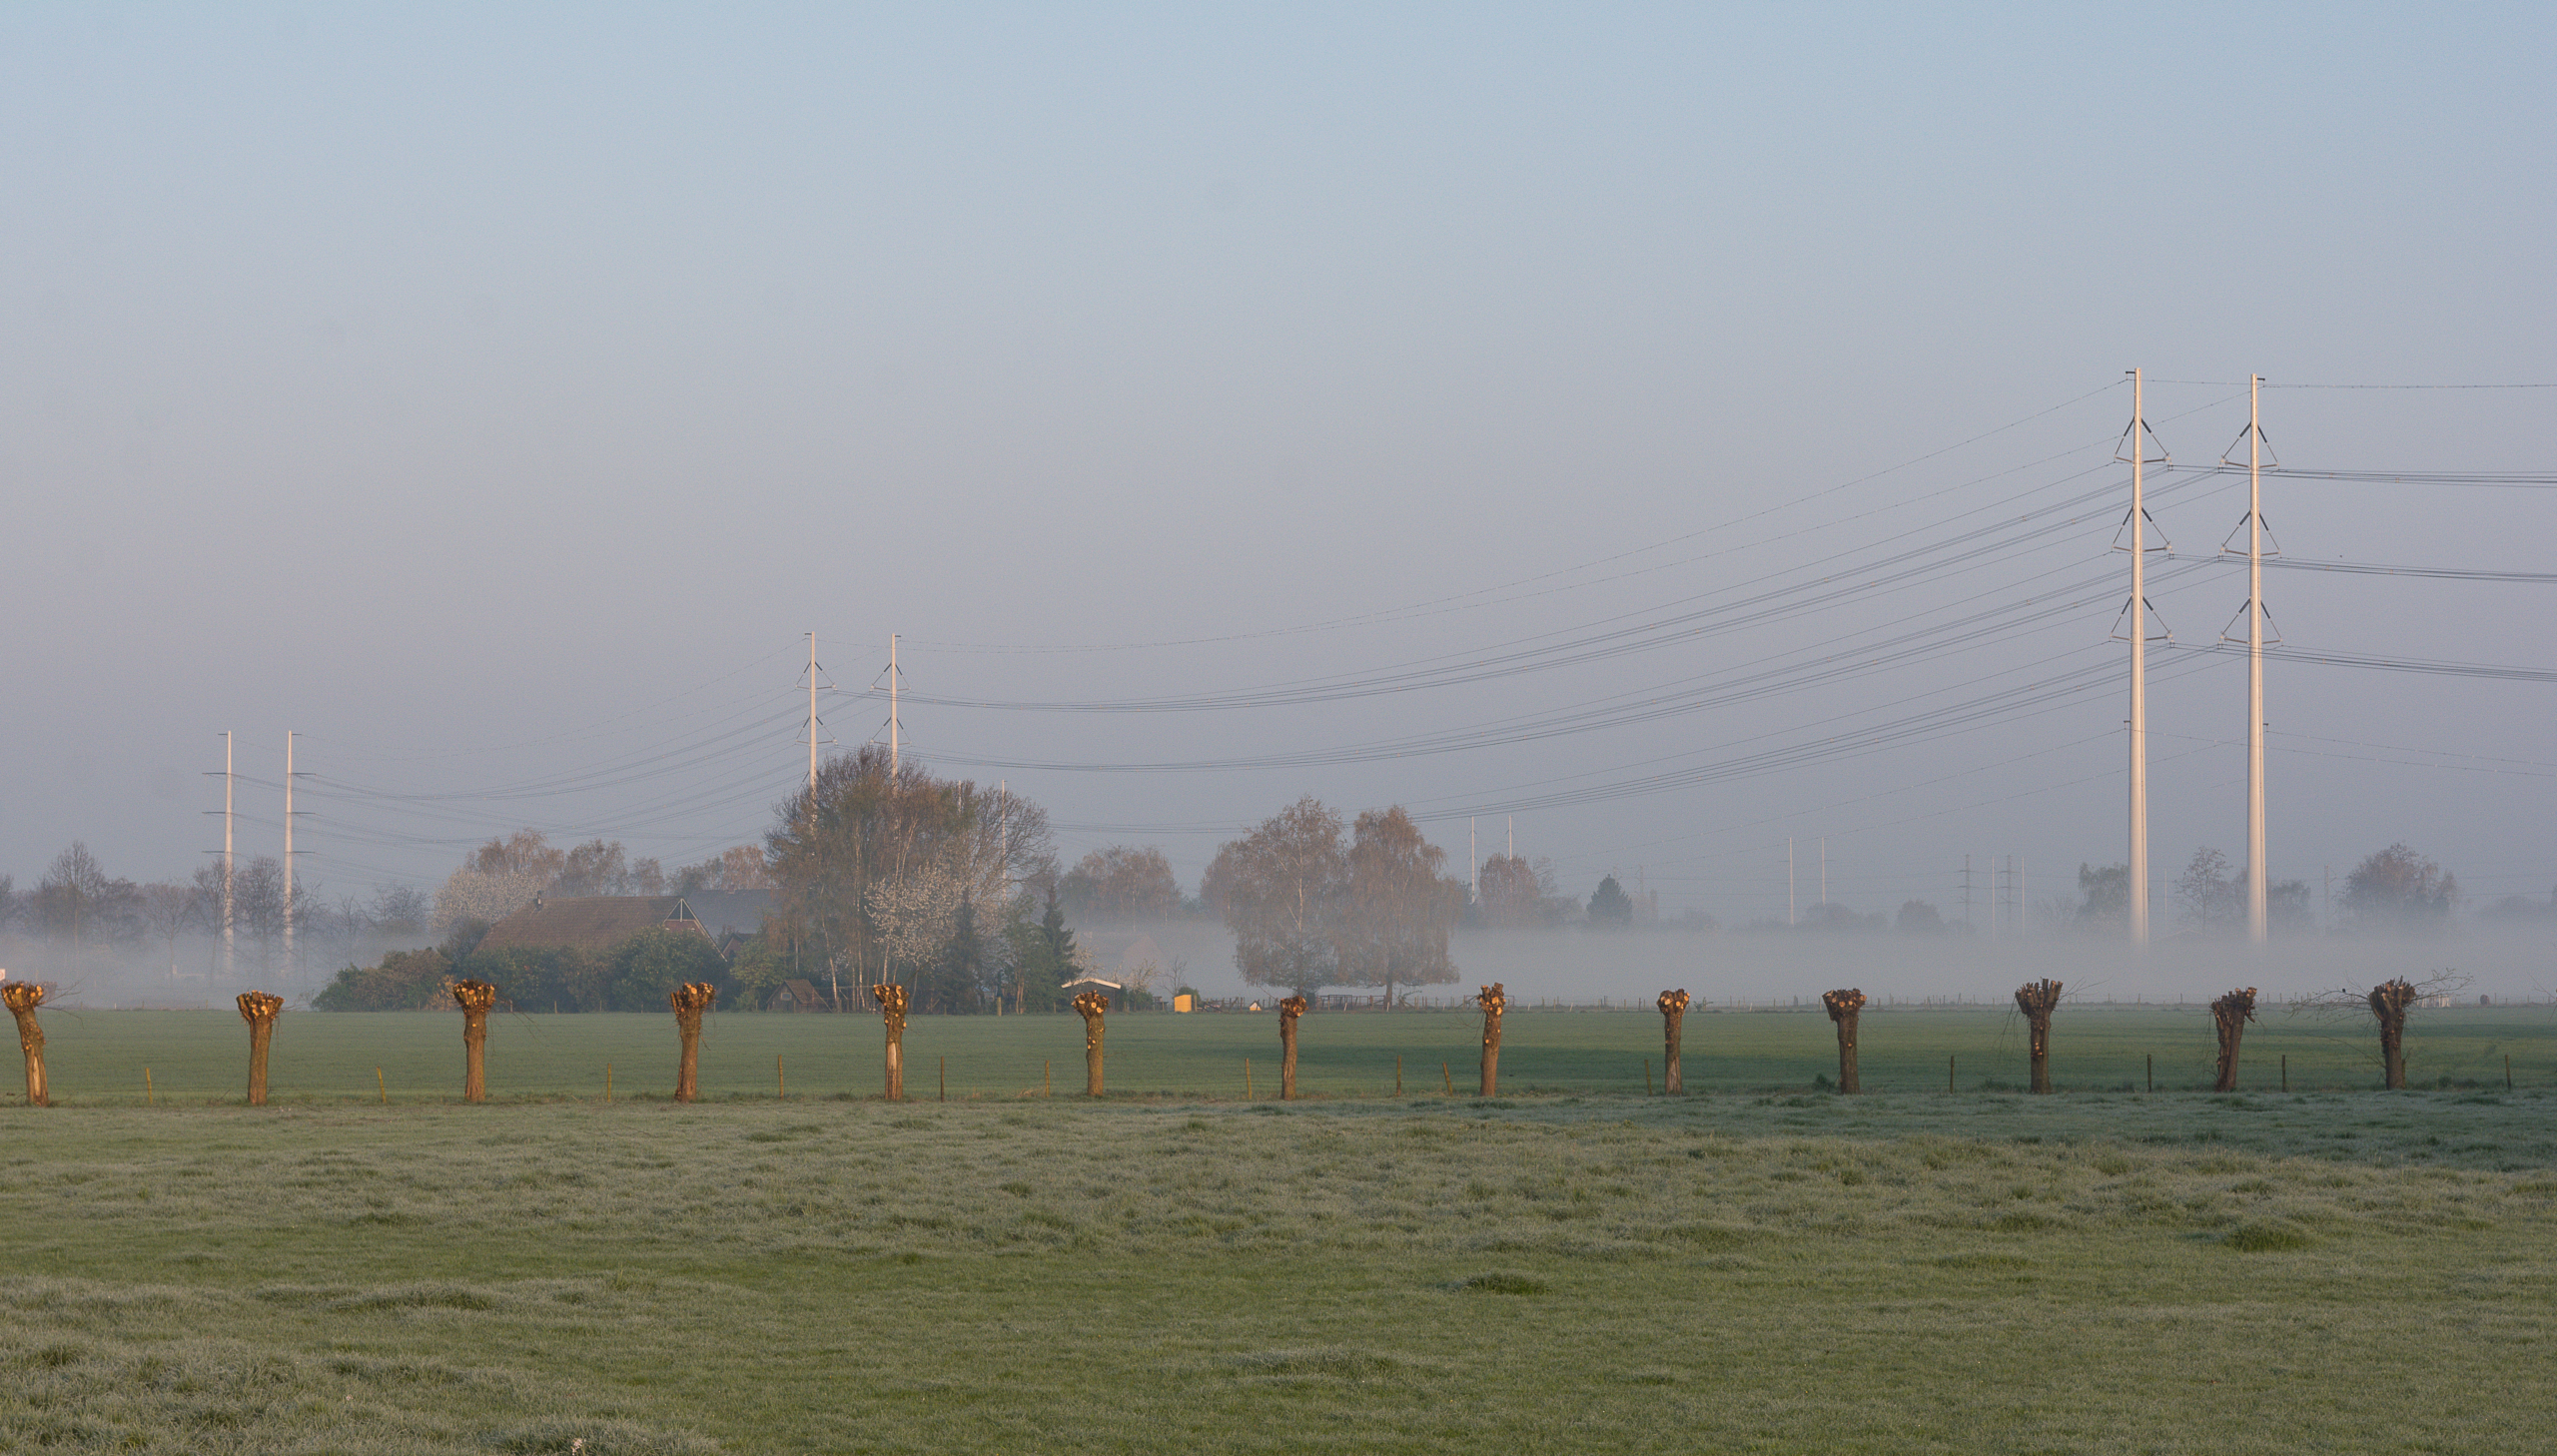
x=2136 y=614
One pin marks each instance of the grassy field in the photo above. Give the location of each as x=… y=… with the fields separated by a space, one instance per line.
x=1773 y=1269
x=101 y=1056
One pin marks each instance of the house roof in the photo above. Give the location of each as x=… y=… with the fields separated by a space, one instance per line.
x=588 y=921
x=721 y=911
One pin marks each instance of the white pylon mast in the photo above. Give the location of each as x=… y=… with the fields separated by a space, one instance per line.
x=2135 y=907
x=229 y=783
x=2258 y=921
x=289 y=964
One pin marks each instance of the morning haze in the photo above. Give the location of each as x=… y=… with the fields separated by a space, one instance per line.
x=1512 y=416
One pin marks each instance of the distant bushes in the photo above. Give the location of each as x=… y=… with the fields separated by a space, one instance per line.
x=405 y=981
x=635 y=975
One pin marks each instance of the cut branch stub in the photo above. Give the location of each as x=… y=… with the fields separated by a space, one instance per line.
x=1094 y=1006
x=893 y=999
x=1844 y=1007
x=2036 y=999
x=689 y=1001
x=2388 y=1002
x=258 y=1008
x=474 y=998
x=1673 y=1017
x=2230 y=1015
x=1288 y=1010
x=22 y=997
x=1494 y=1002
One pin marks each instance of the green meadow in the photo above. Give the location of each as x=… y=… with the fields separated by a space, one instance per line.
x=1571 y=1266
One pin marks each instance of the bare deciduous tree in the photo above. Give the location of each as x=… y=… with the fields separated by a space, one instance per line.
x=1122 y=882
x=1401 y=908
x=1280 y=890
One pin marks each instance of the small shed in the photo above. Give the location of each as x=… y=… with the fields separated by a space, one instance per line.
x=799 y=996
x=1116 y=993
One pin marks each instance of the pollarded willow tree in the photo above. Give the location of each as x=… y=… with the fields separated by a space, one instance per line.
x=1094 y=1006
x=2389 y=1001
x=1673 y=1017
x=259 y=1010
x=1288 y=1010
x=2037 y=1000
x=688 y=1002
x=1494 y=1002
x=1844 y=1008
x=474 y=998
x=892 y=1015
x=22 y=997
x=2229 y=1016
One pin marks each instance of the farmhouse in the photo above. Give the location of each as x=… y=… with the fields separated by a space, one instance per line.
x=595 y=923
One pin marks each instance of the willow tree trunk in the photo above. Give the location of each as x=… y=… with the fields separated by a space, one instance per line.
x=2036 y=999
x=1673 y=1020
x=1093 y=1007
x=1494 y=1002
x=892 y=1015
x=2388 y=1002
x=22 y=997
x=258 y=1008
x=474 y=998
x=689 y=1001
x=1844 y=1008
x=2230 y=1015
x=1288 y=1010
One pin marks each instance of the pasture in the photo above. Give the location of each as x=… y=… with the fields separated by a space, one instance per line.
x=1756 y=1266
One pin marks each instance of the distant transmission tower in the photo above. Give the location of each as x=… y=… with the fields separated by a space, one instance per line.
x=2258 y=620
x=895 y=728
x=815 y=733
x=2136 y=614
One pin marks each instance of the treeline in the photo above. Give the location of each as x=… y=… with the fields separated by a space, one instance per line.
x=634 y=975
x=78 y=907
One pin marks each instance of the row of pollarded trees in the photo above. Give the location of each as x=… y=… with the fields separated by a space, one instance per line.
x=2037 y=1000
